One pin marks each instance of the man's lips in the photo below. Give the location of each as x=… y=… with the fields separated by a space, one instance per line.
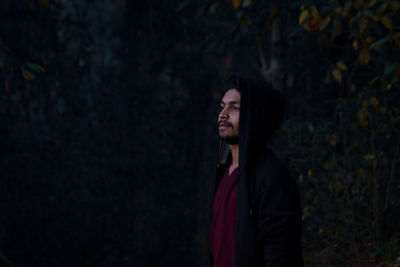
x=223 y=126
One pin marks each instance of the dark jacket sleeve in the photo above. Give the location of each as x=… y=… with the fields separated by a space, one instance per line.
x=279 y=220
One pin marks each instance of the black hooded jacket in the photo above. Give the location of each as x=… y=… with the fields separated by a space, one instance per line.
x=268 y=227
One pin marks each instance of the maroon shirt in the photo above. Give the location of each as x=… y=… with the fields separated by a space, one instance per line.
x=222 y=236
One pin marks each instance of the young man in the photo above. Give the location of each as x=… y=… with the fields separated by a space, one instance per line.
x=255 y=211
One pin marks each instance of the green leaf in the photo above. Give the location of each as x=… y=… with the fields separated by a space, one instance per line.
x=35 y=67
x=375 y=45
x=372 y=3
x=239 y=14
x=337 y=74
x=31 y=3
x=45 y=3
x=387 y=23
x=213 y=8
x=325 y=23
x=246 y=3
x=315 y=14
x=341 y=66
x=28 y=75
x=303 y=16
x=389 y=69
x=290 y=80
x=236 y=3
x=365 y=56
x=377 y=252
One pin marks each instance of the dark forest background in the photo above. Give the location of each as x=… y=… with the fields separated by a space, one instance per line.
x=108 y=125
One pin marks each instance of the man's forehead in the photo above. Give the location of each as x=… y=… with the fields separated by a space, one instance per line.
x=232 y=95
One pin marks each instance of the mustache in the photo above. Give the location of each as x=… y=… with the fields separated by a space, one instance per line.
x=227 y=123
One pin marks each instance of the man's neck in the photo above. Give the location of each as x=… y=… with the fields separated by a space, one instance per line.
x=235 y=156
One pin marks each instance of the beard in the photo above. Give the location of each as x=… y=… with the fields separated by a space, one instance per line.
x=230 y=139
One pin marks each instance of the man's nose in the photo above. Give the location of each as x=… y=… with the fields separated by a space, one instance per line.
x=223 y=114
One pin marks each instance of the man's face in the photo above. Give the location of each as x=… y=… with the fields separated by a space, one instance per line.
x=228 y=118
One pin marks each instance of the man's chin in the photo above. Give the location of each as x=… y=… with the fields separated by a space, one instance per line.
x=232 y=140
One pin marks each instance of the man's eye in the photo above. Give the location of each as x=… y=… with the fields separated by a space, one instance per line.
x=236 y=108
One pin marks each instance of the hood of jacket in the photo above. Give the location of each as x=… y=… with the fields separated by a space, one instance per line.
x=261 y=113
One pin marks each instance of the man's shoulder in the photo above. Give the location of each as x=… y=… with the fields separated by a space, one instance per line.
x=272 y=182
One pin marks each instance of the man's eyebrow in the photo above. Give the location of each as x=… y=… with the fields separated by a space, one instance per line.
x=231 y=102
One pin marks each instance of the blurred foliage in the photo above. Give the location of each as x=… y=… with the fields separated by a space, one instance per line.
x=352 y=186
x=368 y=30
x=348 y=170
